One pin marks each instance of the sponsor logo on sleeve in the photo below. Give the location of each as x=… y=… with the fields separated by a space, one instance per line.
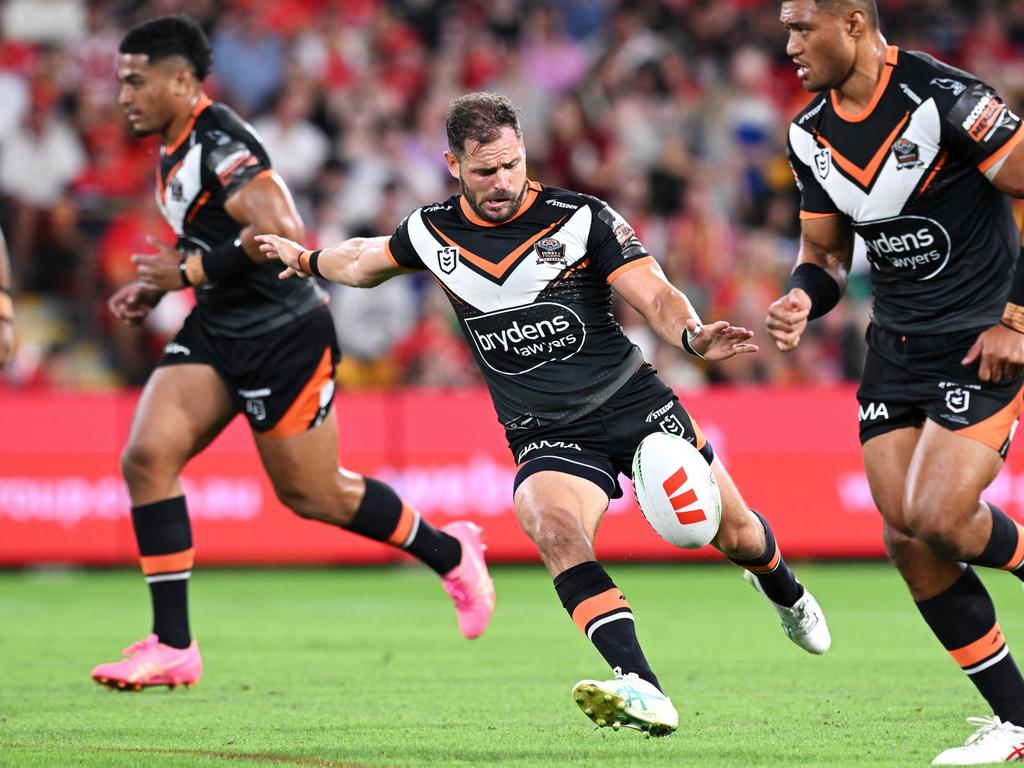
x=515 y=341
x=911 y=247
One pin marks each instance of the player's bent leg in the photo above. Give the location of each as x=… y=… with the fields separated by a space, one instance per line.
x=181 y=410
x=304 y=472
x=950 y=597
x=560 y=513
x=746 y=538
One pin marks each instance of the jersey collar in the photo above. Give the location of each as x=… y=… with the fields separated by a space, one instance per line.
x=533 y=188
x=891 y=57
x=202 y=103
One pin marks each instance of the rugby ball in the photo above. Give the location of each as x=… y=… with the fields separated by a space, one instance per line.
x=676 y=490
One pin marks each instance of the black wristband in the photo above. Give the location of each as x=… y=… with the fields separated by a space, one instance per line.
x=227 y=260
x=1017 y=284
x=7 y=291
x=185 y=282
x=686 y=343
x=818 y=284
x=314 y=257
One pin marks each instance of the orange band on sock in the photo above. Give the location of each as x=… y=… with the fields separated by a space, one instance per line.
x=401 y=532
x=598 y=605
x=980 y=649
x=1018 y=554
x=176 y=561
x=769 y=567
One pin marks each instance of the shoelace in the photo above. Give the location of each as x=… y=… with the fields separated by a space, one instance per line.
x=806 y=619
x=985 y=726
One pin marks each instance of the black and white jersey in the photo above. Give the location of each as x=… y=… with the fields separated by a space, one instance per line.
x=216 y=155
x=912 y=173
x=533 y=297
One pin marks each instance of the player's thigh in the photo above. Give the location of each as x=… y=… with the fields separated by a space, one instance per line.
x=887 y=458
x=305 y=474
x=947 y=473
x=181 y=410
x=551 y=505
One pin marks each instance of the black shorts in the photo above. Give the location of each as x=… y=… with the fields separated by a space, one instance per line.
x=908 y=379
x=283 y=380
x=600 y=445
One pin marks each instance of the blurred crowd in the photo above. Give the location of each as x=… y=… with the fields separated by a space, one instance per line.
x=673 y=111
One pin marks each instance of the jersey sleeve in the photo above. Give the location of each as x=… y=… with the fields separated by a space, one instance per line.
x=814 y=200
x=981 y=129
x=613 y=247
x=232 y=159
x=400 y=248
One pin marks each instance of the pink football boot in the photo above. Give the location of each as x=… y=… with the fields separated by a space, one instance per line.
x=469 y=583
x=150 y=663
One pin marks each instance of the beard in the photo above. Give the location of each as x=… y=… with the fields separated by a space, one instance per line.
x=492 y=217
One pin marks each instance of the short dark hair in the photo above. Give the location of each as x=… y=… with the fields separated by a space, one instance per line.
x=479 y=117
x=168 y=36
x=869 y=7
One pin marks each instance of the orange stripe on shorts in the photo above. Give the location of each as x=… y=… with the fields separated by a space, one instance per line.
x=597 y=606
x=405 y=521
x=980 y=649
x=769 y=567
x=176 y=561
x=994 y=430
x=304 y=407
x=1018 y=553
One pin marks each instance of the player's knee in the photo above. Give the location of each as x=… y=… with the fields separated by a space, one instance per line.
x=301 y=502
x=553 y=529
x=740 y=535
x=900 y=547
x=145 y=462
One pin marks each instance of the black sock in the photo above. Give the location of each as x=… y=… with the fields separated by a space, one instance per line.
x=964 y=620
x=164 y=535
x=777 y=580
x=383 y=516
x=603 y=614
x=1005 y=548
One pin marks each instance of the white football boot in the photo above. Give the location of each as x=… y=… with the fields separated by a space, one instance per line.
x=626 y=702
x=804 y=623
x=993 y=742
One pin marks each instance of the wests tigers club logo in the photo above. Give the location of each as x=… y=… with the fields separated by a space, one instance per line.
x=550 y=251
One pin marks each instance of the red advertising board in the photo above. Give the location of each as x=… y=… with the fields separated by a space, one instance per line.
x=793 y=453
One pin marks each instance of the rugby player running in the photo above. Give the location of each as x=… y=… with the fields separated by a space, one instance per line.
x=529 y=271
x=919 y=158
x=252 y=345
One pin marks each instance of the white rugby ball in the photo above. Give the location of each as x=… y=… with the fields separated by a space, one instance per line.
x=676 y=490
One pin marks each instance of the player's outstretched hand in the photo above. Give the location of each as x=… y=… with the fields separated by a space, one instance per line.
x=787 y=318
x=159 y=271
x=6 y=341
x=132 y=303
x=284 y=250
x=720 y=341
x=1001 y=350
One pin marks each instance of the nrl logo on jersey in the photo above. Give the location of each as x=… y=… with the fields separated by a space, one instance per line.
x=550 y=251
x=823 y=162
x=447 y=258
x=907 y=155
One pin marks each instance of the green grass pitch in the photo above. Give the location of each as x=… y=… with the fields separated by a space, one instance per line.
x=366 y=668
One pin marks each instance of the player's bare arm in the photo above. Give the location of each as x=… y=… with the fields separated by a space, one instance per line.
x=673 y=318
x=826 y=248
x=262 y=205
x=1001 y=347
x=360 y=262
x=6 y=306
